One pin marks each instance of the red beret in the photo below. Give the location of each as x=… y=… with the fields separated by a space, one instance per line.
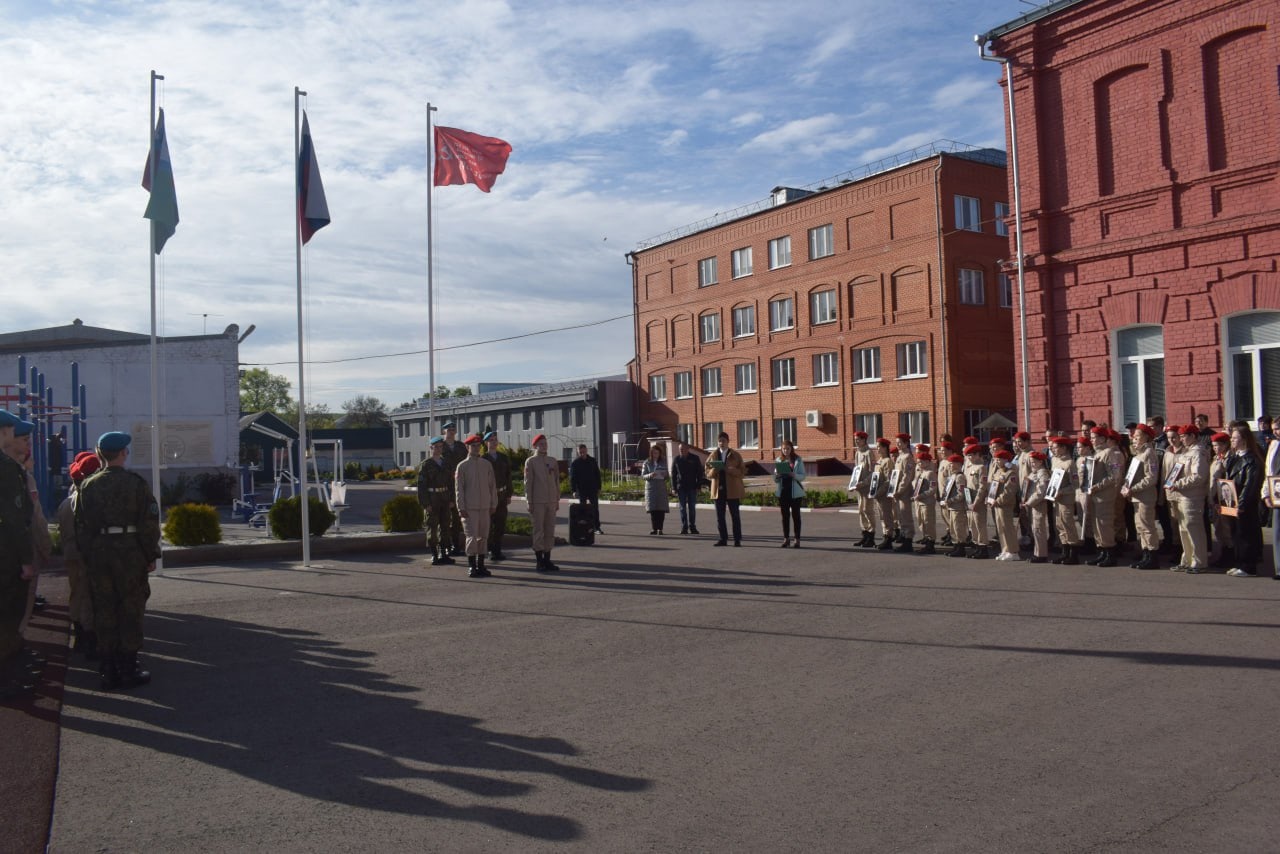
x=1099 y=430
x=1147 y=430
x=882 y=441
x=903 y=436
x=1037 y=455
x=861 y=434
x=474 y=439
x=1022 y=435
x=955 y=458
x=85 y=464
x=1062 y=440
x=948 y=446
x=972 y=449
x=1003 y=455
x=538 y=438
x=998 y=439
x=1188 y=430
x=1172 y=428
x=924 y=456
x=1085 y=440
x=893 y=449
x=970 y=440
x=1219 y=437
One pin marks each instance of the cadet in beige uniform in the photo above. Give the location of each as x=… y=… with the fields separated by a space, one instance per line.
x=1064 y=504
x=975 y=480
x=957 y=510
x=1102 y=495
x=1186 y=493
x=477 y=492
x=1035 y=506
x=865 y=457
x=924 y=492
x=542 y=489
x=905 y=465
x=1141 y=487
x=1005 y=504
x=880 y=492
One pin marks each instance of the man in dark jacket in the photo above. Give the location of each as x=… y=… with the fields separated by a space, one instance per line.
x=686 y=479
x=584 y=481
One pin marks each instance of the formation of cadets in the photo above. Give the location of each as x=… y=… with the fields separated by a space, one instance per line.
x=1197 y=495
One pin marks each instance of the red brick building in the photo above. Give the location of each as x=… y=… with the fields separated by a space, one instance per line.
x=873 y=302
x=1149 y=156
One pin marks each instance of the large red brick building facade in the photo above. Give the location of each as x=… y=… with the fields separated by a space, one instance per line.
x=1149 y=163
x=875 y=302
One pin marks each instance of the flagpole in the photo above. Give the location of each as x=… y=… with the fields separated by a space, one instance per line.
x=302 y=394
x=431 y=311
x=155 y=360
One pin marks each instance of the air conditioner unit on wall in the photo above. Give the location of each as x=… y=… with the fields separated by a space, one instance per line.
x=813 y=418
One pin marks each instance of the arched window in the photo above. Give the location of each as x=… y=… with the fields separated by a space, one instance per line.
x=1140 y=365
x=1253 y=364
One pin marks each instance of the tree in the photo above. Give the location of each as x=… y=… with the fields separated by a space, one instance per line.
x=365 y=411
x=318 y=416
x=462 y=391
x=263 y=391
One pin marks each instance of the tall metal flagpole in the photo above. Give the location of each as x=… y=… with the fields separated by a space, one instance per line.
x=155 y=359
x=431 y=306
x=302 y=394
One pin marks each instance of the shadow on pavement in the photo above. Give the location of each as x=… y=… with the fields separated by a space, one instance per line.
x=309 y=716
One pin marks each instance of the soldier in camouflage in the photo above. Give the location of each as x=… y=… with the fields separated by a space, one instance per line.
x=502 y=476
x=17 y=568
x=118 y=528
x=435 y=494
x=454 y=453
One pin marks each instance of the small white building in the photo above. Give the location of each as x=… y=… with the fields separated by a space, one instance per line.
x=199 y=390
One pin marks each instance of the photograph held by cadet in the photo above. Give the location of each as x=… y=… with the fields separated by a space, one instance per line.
x=788 y=479
x=657 y=481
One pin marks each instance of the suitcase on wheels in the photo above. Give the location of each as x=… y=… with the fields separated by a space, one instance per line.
x=581 y=526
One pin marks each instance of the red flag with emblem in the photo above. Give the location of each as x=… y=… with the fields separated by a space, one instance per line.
x=469 y=158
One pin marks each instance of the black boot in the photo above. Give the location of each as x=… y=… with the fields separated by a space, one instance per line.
x=473 y=567
x=1148 y=561
x=904 y=545
x=437 y=557
x=886 y=545
x=130 y=674
x=1070 y=556
x=927 y=549
x=89 y=644
x=867 y=541
x=481 y=568
x=549 y=566
x=981 y=553
x=957 y=550
x=444 y=556
x=109 y=670
x=946 y=540
x=1104 y=558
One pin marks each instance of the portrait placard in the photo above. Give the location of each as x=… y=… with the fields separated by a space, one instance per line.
x=1055 y=484
x=1228 y=499
x=1135 y=466
x=854 y=479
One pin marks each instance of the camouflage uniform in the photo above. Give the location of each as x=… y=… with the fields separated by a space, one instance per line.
x=118 y=528
x=435 y=494
x=452 y=456
x=498 y=524
x=16 y=550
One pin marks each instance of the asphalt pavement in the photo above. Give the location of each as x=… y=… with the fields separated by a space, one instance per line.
x=661 y=694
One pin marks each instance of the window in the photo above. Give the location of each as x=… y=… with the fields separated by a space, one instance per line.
x=537 y=415
x=706 y=272
x=968 y=213
x=506 y=425
x=684 y=384
x=1006 y=291
x=658 y=387
x=1140 y=362
x=711 y=431
x=784 y=428
x=911 y=360
x=422 y=428
x=866 y=365
x=566 y=412
x=710 y=328
x=870 y=423
x=1002 y=211
x=525 y=418
x=973 y=289
x=744 y=377
x=780 y=252
x=915 y=423
x=826 y=369
x=579 y=415
x=782 y=314
x=1253 y=349
x=749 y=434
x=744 y=321
x=784 y=373
x=822 y=308
x=741 y=262
x=821 y=242
x=974 y=417
x=422 y=455
x=684 y=433
x=710 y=381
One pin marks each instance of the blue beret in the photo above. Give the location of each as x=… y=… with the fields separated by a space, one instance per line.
x=23 y=428
x=436 y=440
x=8 y=419
x=114 y=441
x=489 y=435
x=449 y=425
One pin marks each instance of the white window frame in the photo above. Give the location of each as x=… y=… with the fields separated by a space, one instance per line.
x=1004 y=283
x=826 y=369
x=916 y=423
x=968 y=213
x=711 y=382
x=1140 y=367
x=684 y=433
x=823 y=307
x=871 y=423
x=744 y=378
x=974 y=417
x=784 y=428
x=684 y=385
x=741 y=261
x=783 y=372
x=708 y=274
x=709 y=328
x=774 y=313
x=711 y=431
x=744 y=321
x=822 y=243
x=1001 y=212
x=866 y=365
x=913 y=360
x=972 y=285
x=780 y=252
x=749 y=433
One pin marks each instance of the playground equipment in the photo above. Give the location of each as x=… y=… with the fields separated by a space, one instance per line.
x=334 y=492
x=50 y=443
x=247 y=507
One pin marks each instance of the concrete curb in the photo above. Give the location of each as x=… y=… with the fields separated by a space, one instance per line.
x=320 y=546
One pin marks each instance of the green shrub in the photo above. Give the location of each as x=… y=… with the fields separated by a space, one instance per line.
x=192 y=525
x=520 y=525
x=285 y=518
x=402 y=513
x=218 y=487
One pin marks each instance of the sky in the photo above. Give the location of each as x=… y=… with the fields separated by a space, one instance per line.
x=627 y=120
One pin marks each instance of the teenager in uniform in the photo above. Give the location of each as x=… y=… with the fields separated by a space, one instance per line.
x=1141 y=488
x=957 y=510
x=1064 y=504
x=975 y=481
x=1035 y=506
x=1005 y=504
x=80 y=602
x=501 y=478
x=946 y=450
x=924 y=492
x=1187 y=494
x=905 y=467
x=435 y=494
x=542 y=490
x=1102 y=491
x=1084 y=457
x=879 y=492
x=865 y=457
x=453 y=453
x=477 y=496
